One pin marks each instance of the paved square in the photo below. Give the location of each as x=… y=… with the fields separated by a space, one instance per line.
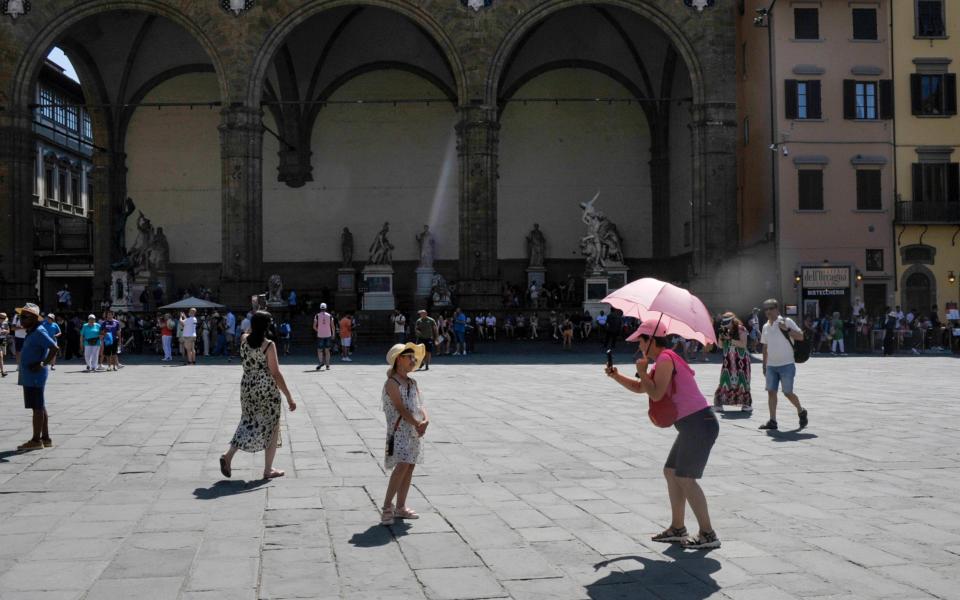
x=541 y=480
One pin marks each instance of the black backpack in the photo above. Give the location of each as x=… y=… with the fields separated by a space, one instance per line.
x=801 y=348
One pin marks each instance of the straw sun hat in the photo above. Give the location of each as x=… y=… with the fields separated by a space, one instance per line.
x=419 y=352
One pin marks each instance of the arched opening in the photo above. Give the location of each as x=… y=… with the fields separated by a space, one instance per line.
x=360 y=108
x=151 y=92
x=918 y=292
x=597 y=99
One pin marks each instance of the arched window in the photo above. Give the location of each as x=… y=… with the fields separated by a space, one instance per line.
x=917 y=291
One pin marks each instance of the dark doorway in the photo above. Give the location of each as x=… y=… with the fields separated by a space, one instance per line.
x=917 y=292
x=874 y=298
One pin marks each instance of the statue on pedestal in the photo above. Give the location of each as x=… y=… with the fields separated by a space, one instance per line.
x=428 y=248
x=120 y=256
x=381 y=250
x=536 y=246
x=275 y=291
x=602 y=246
x=150 y=252
x=440 y=291
x=346 y=247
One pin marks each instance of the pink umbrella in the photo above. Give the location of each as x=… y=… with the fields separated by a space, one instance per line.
x=679 y=312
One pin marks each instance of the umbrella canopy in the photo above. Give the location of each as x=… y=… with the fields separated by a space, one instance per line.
x=191 y=302
x=678 y=310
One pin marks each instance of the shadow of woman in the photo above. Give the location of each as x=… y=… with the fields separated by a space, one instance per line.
x=227 y=488
x=692 y=581
x=378 y=535
x=790 y=436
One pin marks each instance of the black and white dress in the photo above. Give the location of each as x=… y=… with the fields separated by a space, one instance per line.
x=407 y=445
x=259 y=401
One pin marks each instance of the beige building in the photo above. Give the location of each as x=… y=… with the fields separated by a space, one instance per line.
x=926 y=56
x=816 y=173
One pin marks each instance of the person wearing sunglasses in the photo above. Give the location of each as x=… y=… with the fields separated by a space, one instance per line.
x=779 y=368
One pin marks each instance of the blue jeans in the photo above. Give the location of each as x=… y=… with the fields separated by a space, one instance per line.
x=221 y=344
x=781 y=377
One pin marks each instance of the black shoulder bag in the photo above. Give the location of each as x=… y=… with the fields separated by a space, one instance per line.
x=801 y=348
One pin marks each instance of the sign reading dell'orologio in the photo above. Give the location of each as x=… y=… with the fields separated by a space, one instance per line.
x=825 y=290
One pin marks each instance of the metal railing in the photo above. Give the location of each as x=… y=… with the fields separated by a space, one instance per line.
x=928 y=212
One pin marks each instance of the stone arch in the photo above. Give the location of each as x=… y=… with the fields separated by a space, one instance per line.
x=529 y=21
x=279 y=33
x=28 y=68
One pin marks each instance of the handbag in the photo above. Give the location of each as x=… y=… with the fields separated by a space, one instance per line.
x=801 y=348
x=390 y=437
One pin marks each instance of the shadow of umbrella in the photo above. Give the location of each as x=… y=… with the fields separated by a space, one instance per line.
x=378 y=535
x=658 y=578
x=227 y=488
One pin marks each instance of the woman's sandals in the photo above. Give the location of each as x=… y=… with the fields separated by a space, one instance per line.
x=671 y=535
x=704 y=541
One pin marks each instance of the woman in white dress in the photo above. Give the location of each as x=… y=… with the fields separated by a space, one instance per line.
x=407 y=422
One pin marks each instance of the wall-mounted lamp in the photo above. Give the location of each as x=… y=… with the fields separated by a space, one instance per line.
x=951 y=277
x=796 y=278
x=858 y=276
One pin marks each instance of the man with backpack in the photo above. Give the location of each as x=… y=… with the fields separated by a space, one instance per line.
x=779 y=366
x=323 y=324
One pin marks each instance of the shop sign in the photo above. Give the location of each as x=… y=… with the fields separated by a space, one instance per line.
x=818 y=293
x=826 y=277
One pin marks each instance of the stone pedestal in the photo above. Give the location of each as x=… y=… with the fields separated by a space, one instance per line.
x=424 y=286
x=121 y=294
x=377 y=288
x=616 y=277
x=346 y=296
x=596 y=286
x=538 y=275
x=147 y=281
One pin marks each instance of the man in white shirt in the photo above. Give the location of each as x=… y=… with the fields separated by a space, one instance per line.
x=491 y=324
x=778 y=364
x=324 y=325
x=189 y=323
x=399 y=326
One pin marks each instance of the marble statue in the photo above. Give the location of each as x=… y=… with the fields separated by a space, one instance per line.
x=536 y=246
x=150 y=252
x=381 y=250
x=440 y=291
x=602 y=246
x=120 y=255
x=346 y=247
x=428 y=247
x=275 y=291
x=159 y=252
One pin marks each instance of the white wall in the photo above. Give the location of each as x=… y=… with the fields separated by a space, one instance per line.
x=173 y=168
x=371 y=164
x=555 y=156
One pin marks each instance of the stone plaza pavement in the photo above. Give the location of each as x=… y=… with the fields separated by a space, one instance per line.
x=542 y=481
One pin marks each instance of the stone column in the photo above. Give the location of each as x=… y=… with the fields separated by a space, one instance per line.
x=715 y=234
x=477 y=146
x=241 y=153
x=16 y=208
x=109 y=193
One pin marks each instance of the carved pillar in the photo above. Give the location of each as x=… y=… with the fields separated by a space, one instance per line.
x=715 y=233
x=16 y=208
x=477 y=147
x=241 y=148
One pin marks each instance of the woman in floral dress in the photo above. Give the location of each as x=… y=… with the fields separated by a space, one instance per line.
x=259 y=397
x=407 y=422
x=734 y=388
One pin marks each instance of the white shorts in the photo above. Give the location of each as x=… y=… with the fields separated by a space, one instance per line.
x=345 y=342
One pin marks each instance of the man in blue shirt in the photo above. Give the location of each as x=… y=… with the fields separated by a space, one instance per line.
x=38 y=349
x=53 y=330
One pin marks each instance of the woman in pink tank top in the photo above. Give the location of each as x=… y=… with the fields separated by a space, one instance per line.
x=672 y=380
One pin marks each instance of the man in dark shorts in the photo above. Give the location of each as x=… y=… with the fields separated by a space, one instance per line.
x=38 y=350
x=427 y=333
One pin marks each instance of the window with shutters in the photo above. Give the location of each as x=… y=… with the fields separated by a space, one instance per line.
x=936 y=182
x=933 y=94
x=864 y=23
x=874 y=259
x=802 y=99
x=930 y=21
x=810 y=183
x=866 y=98
x=868 y=190
x=806 y=23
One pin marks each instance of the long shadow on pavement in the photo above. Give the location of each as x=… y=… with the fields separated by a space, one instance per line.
x=8 y=453
x=378 y=535
x=227 y=488
x=687 y=577
x=790 y=436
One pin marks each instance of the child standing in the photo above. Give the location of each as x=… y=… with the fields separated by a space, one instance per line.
x=407 y=422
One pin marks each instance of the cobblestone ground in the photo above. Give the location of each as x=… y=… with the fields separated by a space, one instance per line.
x=542 y=480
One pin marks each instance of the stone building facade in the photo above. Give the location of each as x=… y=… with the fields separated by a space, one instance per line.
x=252 y=138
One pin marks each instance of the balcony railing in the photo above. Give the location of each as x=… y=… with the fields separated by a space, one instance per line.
x=928 y=212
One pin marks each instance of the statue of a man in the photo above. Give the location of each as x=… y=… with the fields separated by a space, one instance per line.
x=120 y=231
x=346 y=247
x=159 y=252
x=428 y=247
x=602 y=234
x=536 y=246
x=381 y=250
x=140 y=251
